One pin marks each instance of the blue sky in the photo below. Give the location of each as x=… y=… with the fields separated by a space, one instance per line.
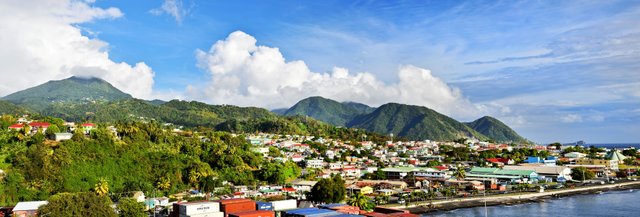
x=553 y=70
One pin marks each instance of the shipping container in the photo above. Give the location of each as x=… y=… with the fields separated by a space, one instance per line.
x=347 y=209
x=331 y=205
x=240 y=206
x=386 y=210
x=263 y=205
x=213 y=214
x=198 y=207
x=257 y=213
x=282 y=205
x=374 y=214
x=235 y=200
x=309 y=212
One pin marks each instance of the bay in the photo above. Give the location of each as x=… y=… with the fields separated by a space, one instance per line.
x=612 y=203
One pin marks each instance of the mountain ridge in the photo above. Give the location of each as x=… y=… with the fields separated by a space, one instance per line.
x=79 y=99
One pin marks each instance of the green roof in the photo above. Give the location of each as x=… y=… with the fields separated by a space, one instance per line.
x=483 y=170
x=497 y=171
x=615 y=155
x=493 y=176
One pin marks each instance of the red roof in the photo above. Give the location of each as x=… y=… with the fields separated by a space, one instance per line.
x=442 y=167
x=39 y=124
x=88 y=125
x=498 y=160
x=289 y=189
x=16 y=126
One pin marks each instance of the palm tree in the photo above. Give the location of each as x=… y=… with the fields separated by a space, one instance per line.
x=460 y=173
x=360 y=201
x=102 y=187
x=164 y=183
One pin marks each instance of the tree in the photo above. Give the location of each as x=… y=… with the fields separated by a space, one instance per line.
x=622 y=174
x=460 y=173
x=330 y=190
x=129 y=207
x=381 y=199
x=360 y=201
x=102 y=187
x=582 y=173
x=77 y=204
x=51 y=131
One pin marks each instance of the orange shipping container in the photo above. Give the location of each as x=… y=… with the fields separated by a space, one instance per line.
x=257 y=213
x=238 y=207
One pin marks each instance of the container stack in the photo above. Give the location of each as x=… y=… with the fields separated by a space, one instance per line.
x=263 y=205
x=237 y=205
x=257 y=213
x=198 y=209
x=309 y=212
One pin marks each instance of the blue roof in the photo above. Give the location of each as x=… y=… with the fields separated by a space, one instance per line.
x=331 y=205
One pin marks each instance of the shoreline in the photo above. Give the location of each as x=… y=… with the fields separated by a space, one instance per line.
x=510 y=199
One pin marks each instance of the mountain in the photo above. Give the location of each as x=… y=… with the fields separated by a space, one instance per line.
x=413 y=122
x=495 y=129
x=327 y=110
x=12 y=109
x=70 y=90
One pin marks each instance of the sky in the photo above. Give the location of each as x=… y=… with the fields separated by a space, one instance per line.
x=552 y=70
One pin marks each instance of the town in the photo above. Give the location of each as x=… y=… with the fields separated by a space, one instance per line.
x=373 y=179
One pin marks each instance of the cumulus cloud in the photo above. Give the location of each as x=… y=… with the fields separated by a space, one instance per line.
x=41 y=41
x=244 y=73
x=173 y=8
x=571 y=118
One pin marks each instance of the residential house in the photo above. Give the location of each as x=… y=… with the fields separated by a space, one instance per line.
x=16 y=127
x=315 y=163
x=303 y=185
x=25 y=209
x=87 y=127
x=62 y=136
x=39 y=126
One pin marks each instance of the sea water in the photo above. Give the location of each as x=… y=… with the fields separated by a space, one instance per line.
x=612 y=203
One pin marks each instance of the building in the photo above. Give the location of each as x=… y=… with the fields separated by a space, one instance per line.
x=62 y=136
x=505 y=175
x=24 y=209
x=303 y=185
x=87 y=127
x=609 y=164
x=550 y=173
x=39 y=126
x=315 y=163
x=575 y=155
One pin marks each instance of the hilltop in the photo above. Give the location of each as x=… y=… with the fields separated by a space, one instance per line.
x=71 y=90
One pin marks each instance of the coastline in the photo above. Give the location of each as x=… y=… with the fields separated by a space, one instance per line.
x=508 y=199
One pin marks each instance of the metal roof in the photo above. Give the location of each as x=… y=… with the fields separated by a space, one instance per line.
x=30 y=205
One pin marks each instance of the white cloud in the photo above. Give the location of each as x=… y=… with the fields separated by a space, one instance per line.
x=243 y=73
x=571 y=118
x=41 y=41
x=173 y=8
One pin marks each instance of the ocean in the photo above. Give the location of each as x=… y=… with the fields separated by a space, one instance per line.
x=615 y=145
x=612 y=203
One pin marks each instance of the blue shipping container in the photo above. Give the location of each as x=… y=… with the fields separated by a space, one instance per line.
x=264 y=206
x=309 y=212
x=345 y=215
